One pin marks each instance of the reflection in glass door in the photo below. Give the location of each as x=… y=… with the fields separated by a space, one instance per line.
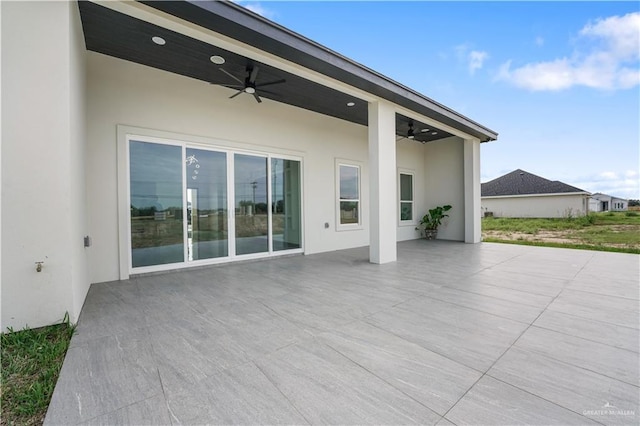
x=206 y=176
x=155 y=179
x=179 y=204
x=285 y=204
x=251 y=212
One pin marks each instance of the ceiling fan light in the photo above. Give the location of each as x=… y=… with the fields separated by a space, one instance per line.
x=250 y=90
x=218 y=60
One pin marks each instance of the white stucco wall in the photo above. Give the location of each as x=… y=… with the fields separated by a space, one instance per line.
x=410 y=158
x=43 y=195
x=121 y=92
x=536 y=206
x=124 y=93
x=444 y=184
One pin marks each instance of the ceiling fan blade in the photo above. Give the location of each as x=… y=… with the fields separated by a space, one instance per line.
x=231 y=86
x=232 y=76
x=239 y=91
x=269 y=92
x=255 y=95
x=271 y=82
x=253 y=75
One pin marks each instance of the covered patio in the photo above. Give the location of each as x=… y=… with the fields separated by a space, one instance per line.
x=451 y=333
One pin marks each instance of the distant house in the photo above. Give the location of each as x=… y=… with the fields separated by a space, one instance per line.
x=607 y=203
x=523 y=194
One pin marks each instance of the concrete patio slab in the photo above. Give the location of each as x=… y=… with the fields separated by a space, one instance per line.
x=449 y=334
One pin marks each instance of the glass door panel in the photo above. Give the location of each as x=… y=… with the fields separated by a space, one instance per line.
x=251 y=211
x=285 y=204
x=206 y=176
x=157 y=235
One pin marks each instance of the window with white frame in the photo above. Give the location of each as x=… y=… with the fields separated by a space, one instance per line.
x=405 y=192
x=348 y=189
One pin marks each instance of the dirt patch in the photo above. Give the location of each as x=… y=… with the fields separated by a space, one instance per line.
x=572 y=236
x=542 y=236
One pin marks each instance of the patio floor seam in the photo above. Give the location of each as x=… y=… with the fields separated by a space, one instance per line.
x=380 y=378
x=484 y=373
x=275 y=385
x=478 y=310
x=543 y=398
x=425 y=348
x=590 y=340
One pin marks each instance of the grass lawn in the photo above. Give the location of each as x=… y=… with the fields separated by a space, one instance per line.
x=31 y=362
x=611 y=231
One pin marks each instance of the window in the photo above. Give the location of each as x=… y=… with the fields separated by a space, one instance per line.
x=348 y=181
x=406 y=197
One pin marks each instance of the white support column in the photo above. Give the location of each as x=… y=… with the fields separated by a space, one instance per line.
x=382 y=183
x=472 y=206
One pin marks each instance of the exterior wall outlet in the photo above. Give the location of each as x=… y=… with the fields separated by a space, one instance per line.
x=87 y=241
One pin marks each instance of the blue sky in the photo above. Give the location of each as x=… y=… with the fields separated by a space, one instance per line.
x=559 y=81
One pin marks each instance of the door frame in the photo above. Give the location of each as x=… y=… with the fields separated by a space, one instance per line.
x=127 y=133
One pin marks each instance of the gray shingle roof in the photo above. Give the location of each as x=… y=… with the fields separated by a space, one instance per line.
x=519 y=182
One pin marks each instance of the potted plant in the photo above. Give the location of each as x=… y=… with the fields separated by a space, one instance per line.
x=428 y=225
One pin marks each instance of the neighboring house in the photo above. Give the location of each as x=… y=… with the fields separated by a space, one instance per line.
x=147 y=136
x=607 y=203
x=523 y=194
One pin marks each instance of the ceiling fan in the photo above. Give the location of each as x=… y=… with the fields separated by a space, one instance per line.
x=249 y=84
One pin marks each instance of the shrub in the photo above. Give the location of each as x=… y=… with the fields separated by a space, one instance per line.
x=588 y=219
x=631 y=214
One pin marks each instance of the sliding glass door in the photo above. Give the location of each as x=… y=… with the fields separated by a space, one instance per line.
x=157 y=234
x=207 y=216
x=252 y=221
x=286 y=204
x=193 y=204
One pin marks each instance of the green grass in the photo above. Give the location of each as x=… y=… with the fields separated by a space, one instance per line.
x=606 y=235
x=31 y=362
x=611 y=231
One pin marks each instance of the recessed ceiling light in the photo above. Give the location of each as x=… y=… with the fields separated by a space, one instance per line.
x=158 y=40
x=350 y=104
x=424 y=130
x=434 y=133
x=218 y=60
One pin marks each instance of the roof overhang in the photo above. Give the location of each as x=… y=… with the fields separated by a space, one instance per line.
x=196 y=30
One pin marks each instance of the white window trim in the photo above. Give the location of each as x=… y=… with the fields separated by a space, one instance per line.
x=351 y=226
x=413 y=221
x=127 y=133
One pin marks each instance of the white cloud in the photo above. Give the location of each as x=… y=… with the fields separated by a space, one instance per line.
x=610 y=62
x=476 y=60
x=624 y=184
x=256 y=7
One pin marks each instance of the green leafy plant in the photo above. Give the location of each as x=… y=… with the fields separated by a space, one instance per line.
x=433 y=219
